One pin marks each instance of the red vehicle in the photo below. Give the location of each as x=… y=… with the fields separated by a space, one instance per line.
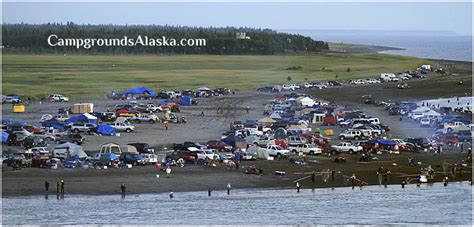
x=329 y=120
x=33 y=129
x=448 y=139
x=218 y=145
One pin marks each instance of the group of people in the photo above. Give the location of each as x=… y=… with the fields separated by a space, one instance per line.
x=59 y=188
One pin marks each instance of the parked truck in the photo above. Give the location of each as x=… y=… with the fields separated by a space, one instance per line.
x=305 y=149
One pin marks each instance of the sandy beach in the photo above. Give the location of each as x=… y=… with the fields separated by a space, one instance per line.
x=201 y=129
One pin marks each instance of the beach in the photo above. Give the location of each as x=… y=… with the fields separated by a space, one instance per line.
x=196 y=178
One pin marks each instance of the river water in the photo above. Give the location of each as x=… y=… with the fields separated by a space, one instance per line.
x=427 y=204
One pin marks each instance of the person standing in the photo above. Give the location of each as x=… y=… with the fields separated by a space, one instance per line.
x=333 y=175
x=209 y=192
x=353 y=180
x=228 y=188
x=62 y=189
x=122 y=188
x=171 y=194
x=247 y=108
x=46 y=186
x=167 y=125
x=313 y=177
x=297 y=187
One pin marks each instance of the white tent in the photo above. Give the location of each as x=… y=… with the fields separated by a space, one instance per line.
x=275 y=116
x=67 y=150
x=258 y=152
x=111 y=148
x=307 y=101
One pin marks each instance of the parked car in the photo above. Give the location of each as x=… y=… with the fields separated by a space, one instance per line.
x=277 y=151
x=218 y=145
x=78 y=127
x=150 y=158
x=206 y=154
x=57 y=98
x=132 y=158
x=71 y=138
x=151 y=118
x=123 y=127
x=351 y=134
x=305 y=149
x=347 y=147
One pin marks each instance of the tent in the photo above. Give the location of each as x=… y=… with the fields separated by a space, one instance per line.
x=275 y=115
x=138 y=91
x=54 y=123
x=185 y=101
x=235 y=141
x=256 y=151
x=111 y=148
x=266 y=121
x=106 y=130
x=86 y=118
x=298 y=129
x=306 y=101
x=251 y=139
x=4 y=137
x=69 y=149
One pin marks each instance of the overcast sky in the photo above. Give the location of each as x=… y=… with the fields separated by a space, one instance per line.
x=454 y=17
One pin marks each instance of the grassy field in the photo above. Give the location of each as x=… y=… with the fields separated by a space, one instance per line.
x=85 y=76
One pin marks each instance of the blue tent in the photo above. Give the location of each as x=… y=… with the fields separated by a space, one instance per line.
x=186 y=101
x=87 y=118
x=139 y=90
x=53 y=123
x=4 y=137
x=382 y=142
x=106 y=130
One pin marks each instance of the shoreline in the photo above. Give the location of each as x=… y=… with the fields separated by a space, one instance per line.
x=249 y=189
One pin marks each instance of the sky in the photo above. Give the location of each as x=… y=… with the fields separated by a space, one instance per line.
x=454 y=17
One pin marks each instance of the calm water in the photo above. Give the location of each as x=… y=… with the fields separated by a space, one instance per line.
x=435 y=45
x=373 y=205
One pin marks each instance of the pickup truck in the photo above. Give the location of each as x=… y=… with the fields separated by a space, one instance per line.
x=123 y=127
x=456 y=127
x=71 y=138
x=39 y=150
x=277 y=151
x=152 y=108
x=305 y=149
x=82 y=127
x=144 y=118
x=347 y=147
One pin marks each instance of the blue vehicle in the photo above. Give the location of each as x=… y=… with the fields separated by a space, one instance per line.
x=72 y=162
x=132 y=158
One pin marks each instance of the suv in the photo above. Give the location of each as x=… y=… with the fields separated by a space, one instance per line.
x=305 y=149
x=351 y=134
x=144 y=118
x=132 y=158
x=71 y=138
x=57 y=98
x=83 y=127
x=296 y=140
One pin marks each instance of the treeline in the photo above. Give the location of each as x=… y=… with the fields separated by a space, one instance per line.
x=28 y=38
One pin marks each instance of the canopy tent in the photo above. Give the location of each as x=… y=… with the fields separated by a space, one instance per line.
x=106 y=130
x=5 y=137
x=69 y=149
x=266 y=121
x=235 y=142
x=138 y=91
x=186 y=101
x=54 y=123
x=111 y=148
x=86 y=118
x=280 y=133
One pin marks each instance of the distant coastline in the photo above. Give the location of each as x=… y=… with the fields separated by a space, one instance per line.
x=359 y=48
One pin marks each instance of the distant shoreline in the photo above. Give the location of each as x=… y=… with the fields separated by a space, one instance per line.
x=359 y=48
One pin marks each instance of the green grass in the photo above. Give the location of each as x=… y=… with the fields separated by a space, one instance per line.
x=93 y=76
